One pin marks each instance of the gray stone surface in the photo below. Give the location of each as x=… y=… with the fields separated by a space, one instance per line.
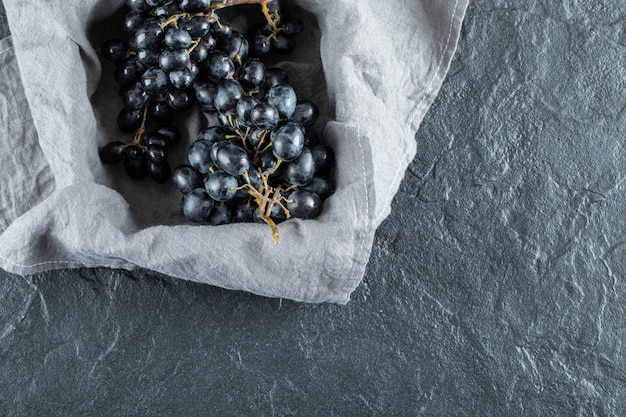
x=495 y=287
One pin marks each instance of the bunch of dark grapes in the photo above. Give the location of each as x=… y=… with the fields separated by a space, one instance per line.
x=262 y=161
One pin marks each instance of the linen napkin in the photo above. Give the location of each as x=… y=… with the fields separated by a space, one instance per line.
x=373 y=67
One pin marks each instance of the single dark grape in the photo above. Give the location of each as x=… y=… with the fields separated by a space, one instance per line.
x=218 y=66
x=186 y=178
x=322 y=186
x=268 y=163
x=259 y=45
x=235 y=46
x=304 y=204
x=115 y=50
x=199 y=156
x=292 y=27
x=252 y=177
x=220 y=186
x=195 y=6
x=135 y=97
x=147 y=57
x=173 y=59
x=132 y=22
x=179 y=100
x=287 y=141
x=160 y=111
x=243 y=213
x=136 y=168
x=197 y=205
x=324 y=157
x=137 y=5
x=149 y=36
x=222 y=29
x=132 y=152
x=311 y=138
x=177 y=38
x=212 y=134
x=200 y=52
x=112 y=152
x=167 y=10
x=220 y=215
x=306 y=113
x=274 y=77
x=155 y=81
x=300 y=171
x=154 y=138
x=205 y=95
x=283 y=97
x=254 y=137
x=231 y=159
x=197 y=26
x=252 y=74
x=129 y=120
x=228 y=94
x=157 y=3
x=156 y=154
x=128 y=73
x=264 y=116
x=159 y=173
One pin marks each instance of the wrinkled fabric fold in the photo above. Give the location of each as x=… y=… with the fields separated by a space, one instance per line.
x=373 y=86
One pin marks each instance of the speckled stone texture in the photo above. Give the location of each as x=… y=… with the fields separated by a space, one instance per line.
x=495 y=288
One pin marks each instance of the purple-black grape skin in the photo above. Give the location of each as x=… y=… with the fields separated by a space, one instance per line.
x=324 y=157
x=155 y=81
x=244 y=109
x=205 y=95
x=304 y=204
x=156 y=154
x=287 y=141
x=186 y=179
x=228 y=94
x=128 y=73
x=159 y=173
x=220 y=215
x=220 y=185
x=129 y=120
x=284 y=98
x=264 y=116
x=177 y=39
x=173 y=59
x=197 y=205
x=112 y=152
x=199 y=156
x=322 y=186
x=306 y=113
x=136 y=168
x=217 y=66
x=300 y=172
x=195 y=6
x=135 y=97
x=115 y=50
x=212 y=134
x=275 y=76
x=171 y=132
x=231 y=159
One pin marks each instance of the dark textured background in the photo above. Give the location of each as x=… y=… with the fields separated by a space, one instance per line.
x=496 y=287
